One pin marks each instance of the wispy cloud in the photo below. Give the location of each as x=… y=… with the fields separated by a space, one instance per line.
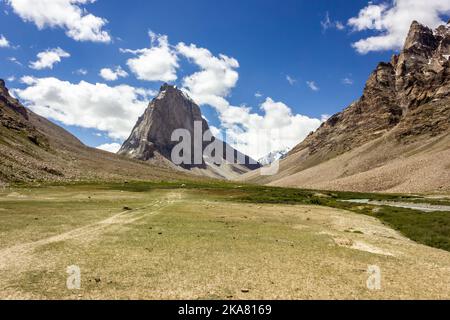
x=81 y=72
x=327 y=23
x=347 y=81
x=291 y=80
x=312 y=85
x=15 y=61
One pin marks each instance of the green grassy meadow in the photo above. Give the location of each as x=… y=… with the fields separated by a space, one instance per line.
x=187 y=240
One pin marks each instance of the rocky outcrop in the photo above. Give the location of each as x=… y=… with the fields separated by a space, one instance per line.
x=422 y=71
x=14 y=116
x=10 y=102
x=169 y=111
x=404 y=111
x=172 y=110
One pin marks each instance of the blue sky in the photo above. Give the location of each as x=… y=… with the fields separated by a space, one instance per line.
x=305 y=41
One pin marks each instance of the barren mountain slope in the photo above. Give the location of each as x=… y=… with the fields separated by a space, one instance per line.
x=395 y=138
x=34 y=149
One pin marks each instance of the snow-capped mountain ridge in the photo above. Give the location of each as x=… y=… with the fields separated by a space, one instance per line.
x=274 y=156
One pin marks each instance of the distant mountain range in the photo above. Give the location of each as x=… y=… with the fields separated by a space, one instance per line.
x=395 y=138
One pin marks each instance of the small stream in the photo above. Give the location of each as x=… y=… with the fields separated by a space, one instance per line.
x=425 y=207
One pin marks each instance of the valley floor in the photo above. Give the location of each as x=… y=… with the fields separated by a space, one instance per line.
x=181 y=243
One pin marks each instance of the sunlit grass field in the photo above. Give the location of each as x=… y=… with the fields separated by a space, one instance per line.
x=186 y=240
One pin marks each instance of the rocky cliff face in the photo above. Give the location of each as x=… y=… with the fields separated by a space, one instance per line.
x=169 y=111
x=11 y=103
x=419 y=75
x=404 y=109
x=172 y=109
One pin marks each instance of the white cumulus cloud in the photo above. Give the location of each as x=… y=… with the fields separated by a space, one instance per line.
x=113 y=110
x=325 y=117
x=391 y=22
x=79 y=24
x=257 y=135
x=47 y=59
x=113 y=74
x=217 y=75
x=110 y=147
x=157 y=63
x=4 y=43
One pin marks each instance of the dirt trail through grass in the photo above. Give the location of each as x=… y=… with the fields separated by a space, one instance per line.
x=18 y=256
